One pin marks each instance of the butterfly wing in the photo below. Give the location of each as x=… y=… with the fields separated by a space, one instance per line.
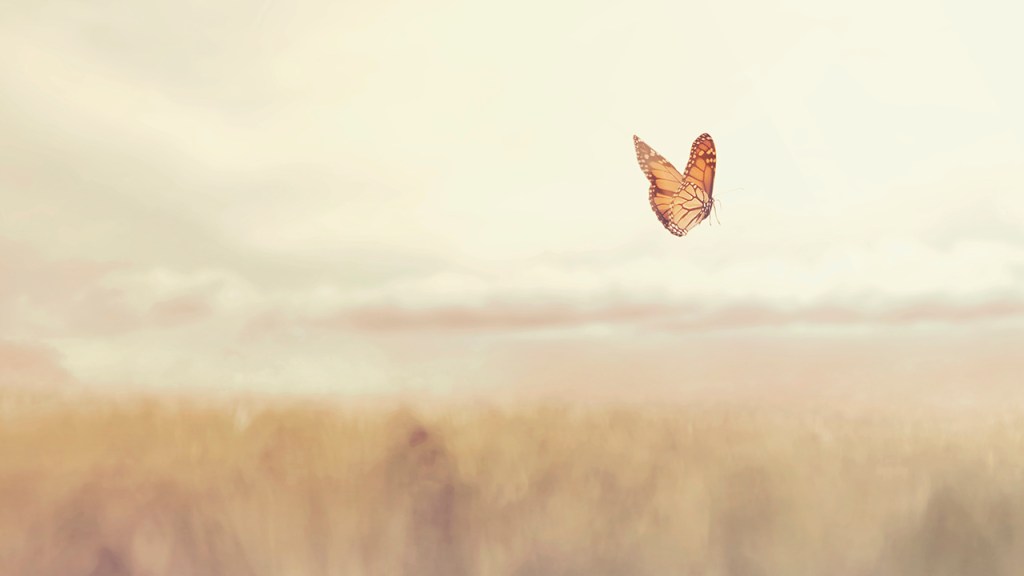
x=700 y=169
x=679 y=201
x=681 y=211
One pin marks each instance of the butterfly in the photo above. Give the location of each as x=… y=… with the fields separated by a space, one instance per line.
x=680 y=200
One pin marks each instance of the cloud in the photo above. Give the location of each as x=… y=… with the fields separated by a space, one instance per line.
x=968 y=283
x=499 y=318
x=906 y=312
x=167 y=326
x=185 y=308
x=885 y=283
x=47 y=297
x=31 y=366
x=675 y=317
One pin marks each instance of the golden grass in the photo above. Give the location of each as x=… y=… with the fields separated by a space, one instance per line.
x=177 y=488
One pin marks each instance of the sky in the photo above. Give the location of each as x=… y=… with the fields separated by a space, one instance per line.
x=442 y=199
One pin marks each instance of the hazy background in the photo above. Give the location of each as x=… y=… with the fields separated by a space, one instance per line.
x=436 y=205
x=441 y=199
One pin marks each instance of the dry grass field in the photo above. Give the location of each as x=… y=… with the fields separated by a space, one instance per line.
x=162 y=488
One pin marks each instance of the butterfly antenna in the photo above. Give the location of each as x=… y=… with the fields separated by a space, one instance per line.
x=714 y=208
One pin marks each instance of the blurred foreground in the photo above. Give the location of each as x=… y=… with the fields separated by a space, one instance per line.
x=178 y=488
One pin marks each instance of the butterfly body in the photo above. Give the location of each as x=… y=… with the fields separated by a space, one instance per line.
x=681 y=200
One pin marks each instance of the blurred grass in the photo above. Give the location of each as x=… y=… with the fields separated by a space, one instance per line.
x=186 y=488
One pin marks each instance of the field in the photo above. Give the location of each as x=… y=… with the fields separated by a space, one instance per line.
x=154 y=488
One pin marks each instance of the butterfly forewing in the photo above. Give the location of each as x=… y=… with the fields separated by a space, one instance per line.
x=680 y=200
x=700 y=169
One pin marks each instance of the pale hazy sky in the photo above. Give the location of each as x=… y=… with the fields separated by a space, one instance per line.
x=443 y=196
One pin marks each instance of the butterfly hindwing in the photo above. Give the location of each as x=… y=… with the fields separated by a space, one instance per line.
x=679 y=199
x=681 y=211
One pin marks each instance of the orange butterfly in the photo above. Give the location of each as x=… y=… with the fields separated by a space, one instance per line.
x=681 y=201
